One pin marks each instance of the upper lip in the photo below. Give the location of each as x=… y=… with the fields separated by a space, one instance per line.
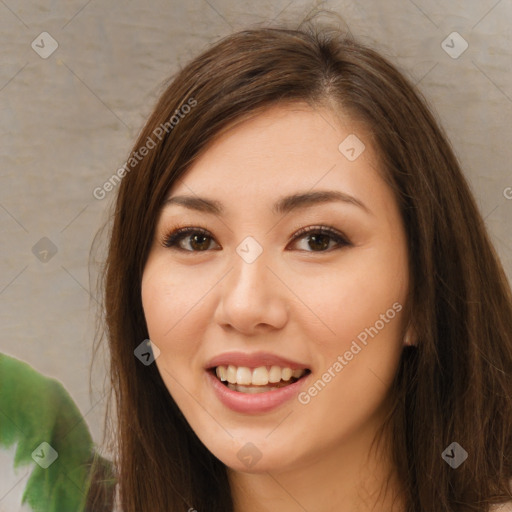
x=254 y=360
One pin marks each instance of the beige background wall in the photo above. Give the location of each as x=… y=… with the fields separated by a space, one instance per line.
x=68 y=122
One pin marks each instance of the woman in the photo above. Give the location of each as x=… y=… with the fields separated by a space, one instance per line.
x=330 y=325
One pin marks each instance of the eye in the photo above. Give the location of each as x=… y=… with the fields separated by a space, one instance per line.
x=197 y=238
x=192 y=239
x=319 y=238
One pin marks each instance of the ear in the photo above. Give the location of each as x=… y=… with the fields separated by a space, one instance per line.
x=410 y=338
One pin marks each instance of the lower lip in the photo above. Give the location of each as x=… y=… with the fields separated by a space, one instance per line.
x=257 y=402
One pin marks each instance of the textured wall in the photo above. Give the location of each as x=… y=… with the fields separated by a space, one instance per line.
x=68 y=122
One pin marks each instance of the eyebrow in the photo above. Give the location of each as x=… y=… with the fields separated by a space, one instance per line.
x=282 y=206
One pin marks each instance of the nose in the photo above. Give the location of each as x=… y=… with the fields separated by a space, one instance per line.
x=251 y=298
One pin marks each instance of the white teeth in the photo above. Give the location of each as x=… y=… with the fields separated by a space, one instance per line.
x=274 y=374
x=243 y=376
x=222 y=373
x=231 y=374
x=287 y=374
x=251 y=390
x=261 y=376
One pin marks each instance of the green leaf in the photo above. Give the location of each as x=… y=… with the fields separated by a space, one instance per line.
x=36 y=409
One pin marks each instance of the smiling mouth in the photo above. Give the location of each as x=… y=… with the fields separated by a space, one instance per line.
x=257 y=380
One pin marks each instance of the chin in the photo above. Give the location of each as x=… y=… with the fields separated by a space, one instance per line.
x=255 y=454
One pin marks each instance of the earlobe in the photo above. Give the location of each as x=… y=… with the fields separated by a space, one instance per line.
x=410 y=337
x=409 y=341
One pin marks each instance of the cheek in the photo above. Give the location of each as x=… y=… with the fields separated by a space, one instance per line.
x=357 y=363
x=170 y=304
x=171 y=307
x=368 y=290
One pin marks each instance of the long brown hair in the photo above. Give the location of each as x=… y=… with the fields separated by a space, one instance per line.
x=455 y=385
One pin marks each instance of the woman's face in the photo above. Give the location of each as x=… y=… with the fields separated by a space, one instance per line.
x=250 y=297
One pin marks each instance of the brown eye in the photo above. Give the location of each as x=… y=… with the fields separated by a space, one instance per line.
x=196 y=239
x=320 y=237
x=319 y=241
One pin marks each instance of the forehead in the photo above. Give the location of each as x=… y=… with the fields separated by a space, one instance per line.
x=280 y=151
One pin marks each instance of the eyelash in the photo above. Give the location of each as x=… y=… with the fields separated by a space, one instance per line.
x=171 y=240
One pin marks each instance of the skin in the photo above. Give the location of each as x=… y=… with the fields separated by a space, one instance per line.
x=295 y=300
